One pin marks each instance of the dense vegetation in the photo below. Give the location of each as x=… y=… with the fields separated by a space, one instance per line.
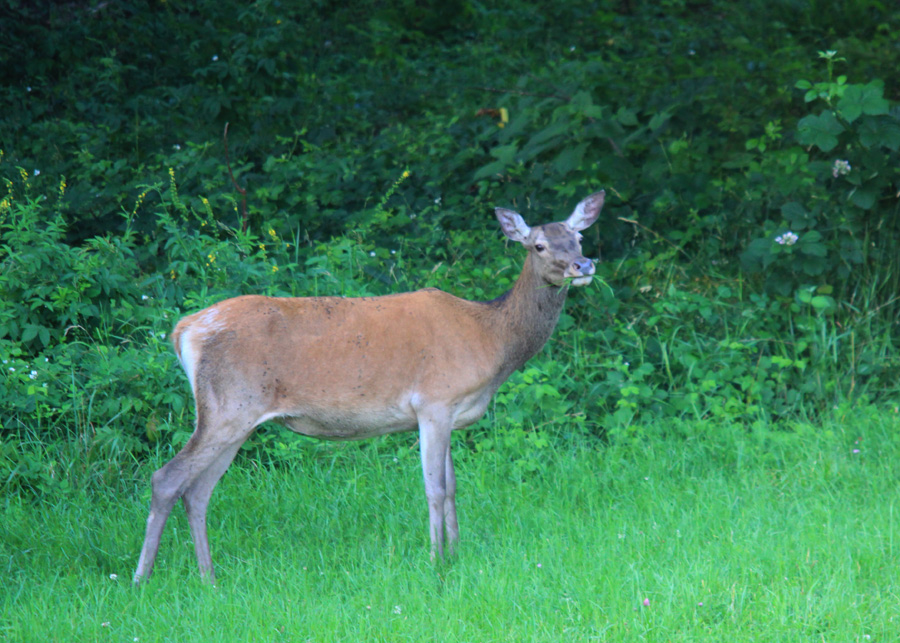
x=749 y=152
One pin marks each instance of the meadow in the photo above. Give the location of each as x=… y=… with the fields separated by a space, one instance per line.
x=717 y=533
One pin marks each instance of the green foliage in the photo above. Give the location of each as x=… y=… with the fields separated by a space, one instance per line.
x=749 y=238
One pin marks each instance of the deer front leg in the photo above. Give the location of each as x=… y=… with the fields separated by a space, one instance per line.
x=434 y=443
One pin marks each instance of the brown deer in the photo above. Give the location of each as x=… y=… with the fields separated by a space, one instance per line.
x=347 y=369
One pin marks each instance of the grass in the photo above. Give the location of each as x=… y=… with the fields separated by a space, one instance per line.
x=727 y=534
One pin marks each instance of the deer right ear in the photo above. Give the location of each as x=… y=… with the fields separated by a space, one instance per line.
x=513 y=224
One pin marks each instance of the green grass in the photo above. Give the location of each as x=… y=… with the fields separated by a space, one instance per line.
x=731 y=535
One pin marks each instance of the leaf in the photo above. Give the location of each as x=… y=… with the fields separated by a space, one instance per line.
x=504 y=153
x=864 y=198
x=491 y=169
x=863 y=99
x=569 y=159
x=820 y=130
x=822 y=302
x=627 y=117
x=796 y=215
x=880 y=130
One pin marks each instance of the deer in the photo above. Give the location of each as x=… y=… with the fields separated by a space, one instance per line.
x=340 y=368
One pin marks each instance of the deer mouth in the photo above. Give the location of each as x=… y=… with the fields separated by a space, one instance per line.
x=580 y=275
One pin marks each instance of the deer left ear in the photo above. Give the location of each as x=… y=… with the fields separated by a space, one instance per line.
x=587 y=211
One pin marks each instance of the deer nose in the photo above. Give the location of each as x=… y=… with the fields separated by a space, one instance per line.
x=584 y=266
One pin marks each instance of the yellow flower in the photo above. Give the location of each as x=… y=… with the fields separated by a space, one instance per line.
x=405 y=174
x=274 y=268
x=272 y=233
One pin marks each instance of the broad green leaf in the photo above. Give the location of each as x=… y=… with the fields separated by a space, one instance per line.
x=821 y=130
x=863 y=99
x=864 y=198
x=569 y=159
x=880 y=130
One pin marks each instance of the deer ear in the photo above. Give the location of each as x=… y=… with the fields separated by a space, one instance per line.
x=587 y=211
x=513 y=224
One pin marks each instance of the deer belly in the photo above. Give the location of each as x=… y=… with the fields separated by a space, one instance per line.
x=349 y=424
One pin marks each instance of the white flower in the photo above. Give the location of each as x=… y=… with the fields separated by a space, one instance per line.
x=372 y=254
x=113 y=577
x=786 y=239
x=37 y=172
x=144 y=298
x=840 y=168
x=397 y=609
x=215 y=58
x=32 y=375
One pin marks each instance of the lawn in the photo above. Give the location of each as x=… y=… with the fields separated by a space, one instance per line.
x=707 y=532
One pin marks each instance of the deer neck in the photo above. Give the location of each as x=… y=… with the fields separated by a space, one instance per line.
x=527 y=315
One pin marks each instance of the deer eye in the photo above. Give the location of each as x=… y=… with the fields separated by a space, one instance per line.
x=539 y=247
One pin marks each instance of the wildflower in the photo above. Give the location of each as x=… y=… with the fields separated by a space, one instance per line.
x=700 y=604
x=215 y=58
x=37 y=172
x=855 y=451
x=274 y=268
x=113 y=577
x=372 y=254
x=33 y=376
x=786 y=239
x=539 y=565
x=646 y=602
x=144 y=298
x=840 y=168
x=272 y=233
x=397 y=609
x=12 y=370
x=176 y=147
x=405 y=174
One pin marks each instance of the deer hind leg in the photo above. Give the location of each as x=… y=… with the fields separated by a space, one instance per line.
x=192 y=474
x=196 y=500
x=451 y=525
